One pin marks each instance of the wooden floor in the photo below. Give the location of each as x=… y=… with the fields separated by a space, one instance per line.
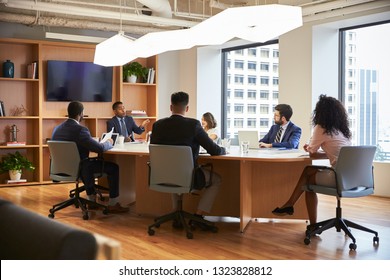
x=263 y=239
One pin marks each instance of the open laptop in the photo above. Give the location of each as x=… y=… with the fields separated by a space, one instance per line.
x=114 y=137
x=249 y=135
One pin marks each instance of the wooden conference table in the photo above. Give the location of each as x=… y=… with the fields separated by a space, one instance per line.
x=253 y=184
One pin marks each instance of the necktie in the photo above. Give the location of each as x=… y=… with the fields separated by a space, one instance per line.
x=123 y=128
x=278 y=135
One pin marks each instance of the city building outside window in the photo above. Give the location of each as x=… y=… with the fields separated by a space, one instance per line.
x=366 y=84
x=251 y=112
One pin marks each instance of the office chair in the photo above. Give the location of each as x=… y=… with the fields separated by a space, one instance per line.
x=65 y=166
x=171 y=170
x=354 y=178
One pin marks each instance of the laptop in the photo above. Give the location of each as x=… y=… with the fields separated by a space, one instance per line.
x=114 y=137
x=249 y=135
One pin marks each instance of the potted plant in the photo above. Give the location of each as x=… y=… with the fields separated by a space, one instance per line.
x=134 y=70
x=14 y=163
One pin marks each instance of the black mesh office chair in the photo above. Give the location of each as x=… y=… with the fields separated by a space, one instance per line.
x=171 y=170
x=65 y=166
x=354 y=178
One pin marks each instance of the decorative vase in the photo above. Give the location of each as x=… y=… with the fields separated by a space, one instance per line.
x=132 y=79
x=8 y=69
x=15 y=174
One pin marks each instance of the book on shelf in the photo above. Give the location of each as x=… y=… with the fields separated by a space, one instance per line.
x=2 y=110
x=151 y=74
x=32 y=70
x=136 y=113
x=20 y=181
x=16 y=143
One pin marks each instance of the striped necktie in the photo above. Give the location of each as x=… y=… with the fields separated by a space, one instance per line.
x=278 y=135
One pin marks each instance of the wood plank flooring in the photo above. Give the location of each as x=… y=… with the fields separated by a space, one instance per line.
x=268 y=239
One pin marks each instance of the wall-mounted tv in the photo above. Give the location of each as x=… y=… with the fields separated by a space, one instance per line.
x=81 y=81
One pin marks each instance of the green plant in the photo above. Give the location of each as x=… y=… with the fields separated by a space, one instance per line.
x=135 y=68
x=15 y=162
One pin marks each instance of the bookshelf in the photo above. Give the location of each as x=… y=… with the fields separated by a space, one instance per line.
x=36 y=124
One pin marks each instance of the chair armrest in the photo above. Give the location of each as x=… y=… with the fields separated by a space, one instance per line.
x=97 y=158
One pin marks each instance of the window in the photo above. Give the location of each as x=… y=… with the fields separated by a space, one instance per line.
x=250 y=107
x=275 y=95
x=251 y=80
x=275 y=81
x=239 y=64
x=239 y=108
x=264 y=81
x=251 y=123
x=252 y=52
x=238 y=94
x=252 y=65
x=264 y=53
x=251 y=94
x=366 y=85
x=264 y=109
x=264 y=94
x=238 y=79
x=264 y=67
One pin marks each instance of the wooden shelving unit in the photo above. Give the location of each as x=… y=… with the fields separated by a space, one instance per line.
x=36 y=125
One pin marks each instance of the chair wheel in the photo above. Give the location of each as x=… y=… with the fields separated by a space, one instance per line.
x=307 y=241
x=352 y=246
x=85 y=216
x=150 y=232
x=51 y=215
x=157 y=225
x=105 y=211
x=376 y=240
x=190 y=235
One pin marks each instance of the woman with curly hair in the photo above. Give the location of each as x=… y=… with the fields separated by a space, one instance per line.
x=330 y=133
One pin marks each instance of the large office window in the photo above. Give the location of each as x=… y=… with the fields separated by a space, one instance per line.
x=251 y=112
x=365 y=88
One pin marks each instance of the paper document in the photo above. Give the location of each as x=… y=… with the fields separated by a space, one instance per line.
x=107 y=136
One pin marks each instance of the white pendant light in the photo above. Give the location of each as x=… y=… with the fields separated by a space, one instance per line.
x=114 y=51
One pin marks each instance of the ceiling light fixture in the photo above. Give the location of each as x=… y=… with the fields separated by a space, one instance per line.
x=113 y=51
x=71 y=37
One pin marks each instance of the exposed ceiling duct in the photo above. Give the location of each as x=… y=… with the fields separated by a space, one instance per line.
x=104 y=15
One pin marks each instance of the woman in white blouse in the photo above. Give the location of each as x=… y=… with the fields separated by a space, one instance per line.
x=209 y=124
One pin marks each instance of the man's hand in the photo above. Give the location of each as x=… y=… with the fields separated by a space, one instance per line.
x=265 y=145
x=145 y=122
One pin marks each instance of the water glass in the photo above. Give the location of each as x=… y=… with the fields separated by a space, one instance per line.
x=244 y=146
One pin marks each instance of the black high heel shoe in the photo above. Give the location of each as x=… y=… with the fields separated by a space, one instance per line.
x=289 y=210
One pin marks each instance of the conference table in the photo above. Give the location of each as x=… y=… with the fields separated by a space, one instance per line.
x=253 y=183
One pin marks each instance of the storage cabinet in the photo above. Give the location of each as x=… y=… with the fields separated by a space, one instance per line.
x=36 y=124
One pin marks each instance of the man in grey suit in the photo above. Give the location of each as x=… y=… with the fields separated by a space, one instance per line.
x=283 y=134
x=129 y=126
x=71 y=130
x=180 y=130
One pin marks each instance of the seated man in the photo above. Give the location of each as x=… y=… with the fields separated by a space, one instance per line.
x=71 y=130
x=123 y=124
x=180 y=130
x=283 y=134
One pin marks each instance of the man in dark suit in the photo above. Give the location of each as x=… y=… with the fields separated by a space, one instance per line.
x=283 y=134
x=71 y=130
x=180 y=130
x=130 y=125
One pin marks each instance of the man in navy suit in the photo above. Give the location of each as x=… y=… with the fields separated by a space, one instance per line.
x=130 y=125
x=71 y=130
x=289 y=133
x=180 y=130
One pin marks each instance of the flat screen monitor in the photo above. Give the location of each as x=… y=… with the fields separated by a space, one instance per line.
x=78 y=81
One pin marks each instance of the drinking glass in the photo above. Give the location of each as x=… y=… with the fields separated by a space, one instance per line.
x=244 y=146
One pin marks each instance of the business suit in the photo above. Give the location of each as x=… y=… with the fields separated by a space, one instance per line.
x=290 y=139
x=130 y=126
x=179 y=130
x=71 y=130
